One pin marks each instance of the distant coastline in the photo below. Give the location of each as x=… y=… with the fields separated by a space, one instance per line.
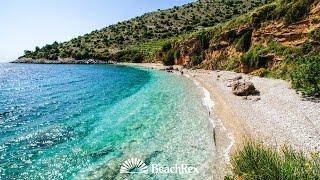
x=60 y=61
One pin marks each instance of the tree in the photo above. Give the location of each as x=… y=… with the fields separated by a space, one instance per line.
x=27 y=52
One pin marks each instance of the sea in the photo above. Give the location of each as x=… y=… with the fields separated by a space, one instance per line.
x=89 y=121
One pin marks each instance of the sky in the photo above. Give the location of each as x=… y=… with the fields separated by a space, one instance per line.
x=25 y=24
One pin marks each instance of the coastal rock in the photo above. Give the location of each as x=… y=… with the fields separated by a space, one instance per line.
x=243 y=88
x=170 y=68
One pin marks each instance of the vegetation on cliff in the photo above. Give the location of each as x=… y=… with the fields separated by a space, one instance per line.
x=279 y=39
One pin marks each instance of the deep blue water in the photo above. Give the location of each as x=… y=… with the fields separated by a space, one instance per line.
x=82 y=121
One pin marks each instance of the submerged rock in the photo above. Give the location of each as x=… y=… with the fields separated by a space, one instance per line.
x=151 y=156
x=102 y=152
x=243 y=88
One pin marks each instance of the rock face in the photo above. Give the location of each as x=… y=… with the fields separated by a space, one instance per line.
x=243 y=88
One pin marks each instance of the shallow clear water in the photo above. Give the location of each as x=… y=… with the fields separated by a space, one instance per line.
x=83 y=121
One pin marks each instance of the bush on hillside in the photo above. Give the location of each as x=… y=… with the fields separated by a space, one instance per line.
x=251 y=59
x=307 y=47
x=315 y=35
x=128 y=56
x=296 y=11
x=168 y=58
x=305 y=76
x=166 y=47
x=244 y=42
x=290 y=10
x=196 y=60
x=262 y=14
x=204 y=39
x=256 y=161
x=177 y=54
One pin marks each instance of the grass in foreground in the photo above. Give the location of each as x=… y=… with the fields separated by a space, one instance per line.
x=256 y=161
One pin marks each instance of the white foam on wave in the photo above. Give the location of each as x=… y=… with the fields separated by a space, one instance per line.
x=227 y=151
x=206 y=100
x=209 y=104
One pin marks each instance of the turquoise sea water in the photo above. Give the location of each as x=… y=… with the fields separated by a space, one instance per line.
x=84 y=121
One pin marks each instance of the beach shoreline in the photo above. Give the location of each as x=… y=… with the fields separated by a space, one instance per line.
x=278 y=116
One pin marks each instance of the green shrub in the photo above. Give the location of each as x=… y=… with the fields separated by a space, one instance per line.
x=177 y=54
x=196 y=60
x=315 y=35
x=232 y=64
x=297 y=10
x=305 y=76
x=263 y=13
x=128 y=56
x=256 y=161
x=252 y=58
x=306 y=47
x=244 y=42
x=204 y=39
x=166 y=47
x=168 y=58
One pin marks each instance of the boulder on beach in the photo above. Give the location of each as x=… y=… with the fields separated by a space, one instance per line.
x=243 y=88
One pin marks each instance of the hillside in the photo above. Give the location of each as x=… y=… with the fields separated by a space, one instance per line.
x=159 y=25
x=278 y=39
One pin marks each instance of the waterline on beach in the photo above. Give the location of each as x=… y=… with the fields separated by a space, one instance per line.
x=217 y=124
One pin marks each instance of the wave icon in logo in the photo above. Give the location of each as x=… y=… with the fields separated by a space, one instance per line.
x=133 y=166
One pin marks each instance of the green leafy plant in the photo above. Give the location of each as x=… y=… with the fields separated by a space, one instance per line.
x=315 y=35
x=263 y=13
x=305 y=76
x=128 y=56
x=177 y=54
x=196 y=60
x=168 y=58
x=297 y=10
x=244 y=42
x=166 y=47
x=257 y=161
x=204 y=39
